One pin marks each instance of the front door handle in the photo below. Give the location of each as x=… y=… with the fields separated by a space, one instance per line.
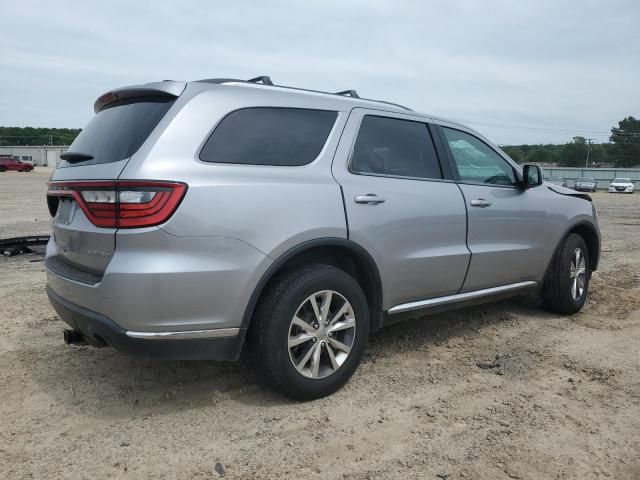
x=480 y=202
x=368 y=199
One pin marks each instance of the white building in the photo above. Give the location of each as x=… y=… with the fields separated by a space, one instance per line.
x=45 y=155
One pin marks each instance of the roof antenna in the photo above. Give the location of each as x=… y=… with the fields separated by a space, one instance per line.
x=348 y=93
x=261 y=79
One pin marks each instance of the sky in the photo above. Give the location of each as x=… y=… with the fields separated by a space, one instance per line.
x=517 y=71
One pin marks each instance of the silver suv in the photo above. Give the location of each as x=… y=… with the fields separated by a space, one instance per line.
x=190 y=219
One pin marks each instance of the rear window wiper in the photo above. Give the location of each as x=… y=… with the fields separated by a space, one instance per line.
x=73 y=157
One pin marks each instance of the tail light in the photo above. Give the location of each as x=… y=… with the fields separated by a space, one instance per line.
x=120 y=204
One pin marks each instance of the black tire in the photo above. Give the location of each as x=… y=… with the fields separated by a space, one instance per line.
x=3 y=168
x=557 y=289
x=272 y=320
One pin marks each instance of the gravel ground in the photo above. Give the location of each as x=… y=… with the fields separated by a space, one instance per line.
x=23 y=205
x=562 y=399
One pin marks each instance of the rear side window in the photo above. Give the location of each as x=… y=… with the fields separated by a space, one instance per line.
x=119 y=130
x=269 y=136
x=390 y=146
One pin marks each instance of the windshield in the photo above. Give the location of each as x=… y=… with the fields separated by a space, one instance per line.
x=622 y=180
x=587 y=180
x=119 y=130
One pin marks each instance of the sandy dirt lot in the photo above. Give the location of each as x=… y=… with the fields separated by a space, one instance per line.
x=23 y=205
x=563 y=402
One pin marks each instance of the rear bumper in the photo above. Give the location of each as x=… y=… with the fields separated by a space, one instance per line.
x=157 y=282
x=101 y=331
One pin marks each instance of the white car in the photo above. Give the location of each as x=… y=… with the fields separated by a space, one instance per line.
x=621 y=185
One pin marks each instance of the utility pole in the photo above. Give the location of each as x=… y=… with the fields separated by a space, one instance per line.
x=588 y=151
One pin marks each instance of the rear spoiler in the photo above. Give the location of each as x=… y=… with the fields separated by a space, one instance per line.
x=167 y=88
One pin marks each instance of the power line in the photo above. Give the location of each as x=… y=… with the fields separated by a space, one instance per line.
x=553 y=130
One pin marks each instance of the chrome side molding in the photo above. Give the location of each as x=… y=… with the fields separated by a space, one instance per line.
x=185 y=335
x=459 y=297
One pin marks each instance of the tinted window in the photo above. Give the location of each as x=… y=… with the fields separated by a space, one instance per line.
x=269 y=136
x=119 y=130
x=476 y=161
x=390 y=146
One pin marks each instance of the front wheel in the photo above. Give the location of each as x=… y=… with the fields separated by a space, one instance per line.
x=567 y=283
x=310 y=330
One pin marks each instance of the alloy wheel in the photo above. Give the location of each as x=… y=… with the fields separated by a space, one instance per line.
x=321 y=334
x=577 y=274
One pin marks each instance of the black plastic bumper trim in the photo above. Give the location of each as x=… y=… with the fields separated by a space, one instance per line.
x=101 y=331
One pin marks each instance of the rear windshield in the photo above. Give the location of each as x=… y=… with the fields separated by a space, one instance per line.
x=119 y=130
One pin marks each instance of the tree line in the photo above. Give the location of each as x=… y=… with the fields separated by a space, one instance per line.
x=37 y=136
x=623 y=149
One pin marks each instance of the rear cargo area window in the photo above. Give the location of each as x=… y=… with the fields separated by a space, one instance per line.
x=119 y=130
x=269 y=136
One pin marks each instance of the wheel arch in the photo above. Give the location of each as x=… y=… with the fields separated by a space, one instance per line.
x=338 y=252
x=591 y=237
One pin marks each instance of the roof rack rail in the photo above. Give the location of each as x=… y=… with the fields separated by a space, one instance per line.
x=348 y=93
x=265 y=80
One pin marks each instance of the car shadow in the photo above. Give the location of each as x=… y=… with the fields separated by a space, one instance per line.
x=103 y=382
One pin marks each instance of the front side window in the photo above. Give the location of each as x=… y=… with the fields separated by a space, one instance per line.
x=395 y=147
x=269 y=136
x=476 y=161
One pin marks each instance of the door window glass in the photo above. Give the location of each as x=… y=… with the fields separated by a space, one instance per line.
x=395 y=147
x=476 y=161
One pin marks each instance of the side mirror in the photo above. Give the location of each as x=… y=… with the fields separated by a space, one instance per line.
x=532 y=176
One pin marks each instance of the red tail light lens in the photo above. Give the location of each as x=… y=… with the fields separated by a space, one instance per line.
x=121 y=204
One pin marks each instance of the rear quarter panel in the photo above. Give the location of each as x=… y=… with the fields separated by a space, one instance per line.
x=269 y=207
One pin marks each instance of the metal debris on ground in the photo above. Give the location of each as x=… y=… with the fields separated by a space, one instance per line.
x=17 y=245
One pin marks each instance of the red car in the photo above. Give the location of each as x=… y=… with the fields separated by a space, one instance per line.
x=13 y=164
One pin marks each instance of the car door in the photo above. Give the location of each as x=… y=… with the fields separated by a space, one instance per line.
x=507 y=225
x=400 y=206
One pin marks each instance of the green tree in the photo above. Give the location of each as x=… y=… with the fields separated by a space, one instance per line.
x=574 y=154
x=626 y=138
x=598 y=154
x=515 y=153
x=37 y=136
x=537 y=155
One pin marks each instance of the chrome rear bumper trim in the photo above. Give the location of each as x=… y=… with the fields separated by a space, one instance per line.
x=459 y=297
x=186 y=335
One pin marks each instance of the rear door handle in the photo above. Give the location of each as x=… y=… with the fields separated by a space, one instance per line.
x=368 y=199
x=480 y=202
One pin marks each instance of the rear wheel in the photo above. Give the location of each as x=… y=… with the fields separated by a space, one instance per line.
x=567 y=284
x=310 y=331
x=3 y=168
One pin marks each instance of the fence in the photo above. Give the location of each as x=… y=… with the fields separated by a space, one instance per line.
x=603 y=176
